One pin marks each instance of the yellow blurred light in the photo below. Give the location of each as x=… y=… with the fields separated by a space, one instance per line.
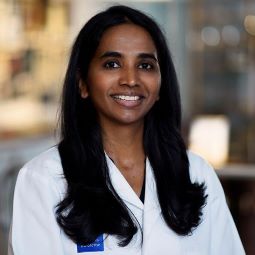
x=209 y=137
x=25 y=114
x=249 y=24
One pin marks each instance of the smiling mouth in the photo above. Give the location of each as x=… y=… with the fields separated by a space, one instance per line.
x=127 y=98
x=128 y=101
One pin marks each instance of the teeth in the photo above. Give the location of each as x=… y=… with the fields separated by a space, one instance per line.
x=127 y=98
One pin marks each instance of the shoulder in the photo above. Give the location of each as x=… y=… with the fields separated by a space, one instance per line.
x=45 y=164
x=46 y=167
x=217 y=223
x=202 y=172
x=199 y=167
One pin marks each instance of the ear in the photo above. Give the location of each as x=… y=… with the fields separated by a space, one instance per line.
x=83 y=89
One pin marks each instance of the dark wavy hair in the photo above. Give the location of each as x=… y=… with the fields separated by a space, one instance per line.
x=91 y=205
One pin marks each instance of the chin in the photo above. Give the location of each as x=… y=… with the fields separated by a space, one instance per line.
x=129 y=120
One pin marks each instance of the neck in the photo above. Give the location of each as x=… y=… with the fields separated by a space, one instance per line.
x=124 y=145
x=124 y=142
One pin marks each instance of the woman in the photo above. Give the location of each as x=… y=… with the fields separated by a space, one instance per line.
x=121 y=181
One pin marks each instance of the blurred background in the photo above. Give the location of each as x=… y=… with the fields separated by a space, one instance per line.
x=213 y=48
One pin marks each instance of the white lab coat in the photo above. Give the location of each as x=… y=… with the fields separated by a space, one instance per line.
x=41 y=185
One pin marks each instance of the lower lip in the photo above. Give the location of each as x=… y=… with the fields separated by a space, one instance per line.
x=128 y=103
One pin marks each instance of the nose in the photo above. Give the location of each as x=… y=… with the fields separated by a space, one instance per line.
x=129 y=77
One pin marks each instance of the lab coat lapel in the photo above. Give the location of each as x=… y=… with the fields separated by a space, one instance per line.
x=122 y=187
x=158 y=238
x=152 y=210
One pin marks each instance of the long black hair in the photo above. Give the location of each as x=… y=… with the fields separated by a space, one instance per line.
x=91 y=205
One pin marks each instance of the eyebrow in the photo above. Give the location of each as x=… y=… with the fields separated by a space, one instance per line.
x=111 y=54
x=119 y=55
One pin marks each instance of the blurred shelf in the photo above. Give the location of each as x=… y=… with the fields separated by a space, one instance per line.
x=237 y=172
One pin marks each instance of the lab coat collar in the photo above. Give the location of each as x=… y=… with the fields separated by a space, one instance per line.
x=151 y=197
x=121 y=185
x=152 y=209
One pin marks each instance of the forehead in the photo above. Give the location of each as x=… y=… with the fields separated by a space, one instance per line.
x=126 y=38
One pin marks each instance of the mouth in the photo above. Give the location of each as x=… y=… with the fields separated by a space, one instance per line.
x=127 y=98
x=128 y=101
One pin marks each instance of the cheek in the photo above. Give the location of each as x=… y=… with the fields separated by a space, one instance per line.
x=153 y=80
x=101 y=84
x=155 y=91
x=156 y=88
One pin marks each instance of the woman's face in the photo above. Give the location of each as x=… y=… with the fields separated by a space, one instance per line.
x=124 y=77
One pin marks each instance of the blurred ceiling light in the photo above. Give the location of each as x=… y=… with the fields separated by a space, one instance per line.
x=210 y=36
x=230 y=35
x=249 y=24
x=10 y=28
x=209 y=137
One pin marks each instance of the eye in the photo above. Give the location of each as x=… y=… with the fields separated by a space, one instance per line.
x=146 y=66
x=111 y=64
